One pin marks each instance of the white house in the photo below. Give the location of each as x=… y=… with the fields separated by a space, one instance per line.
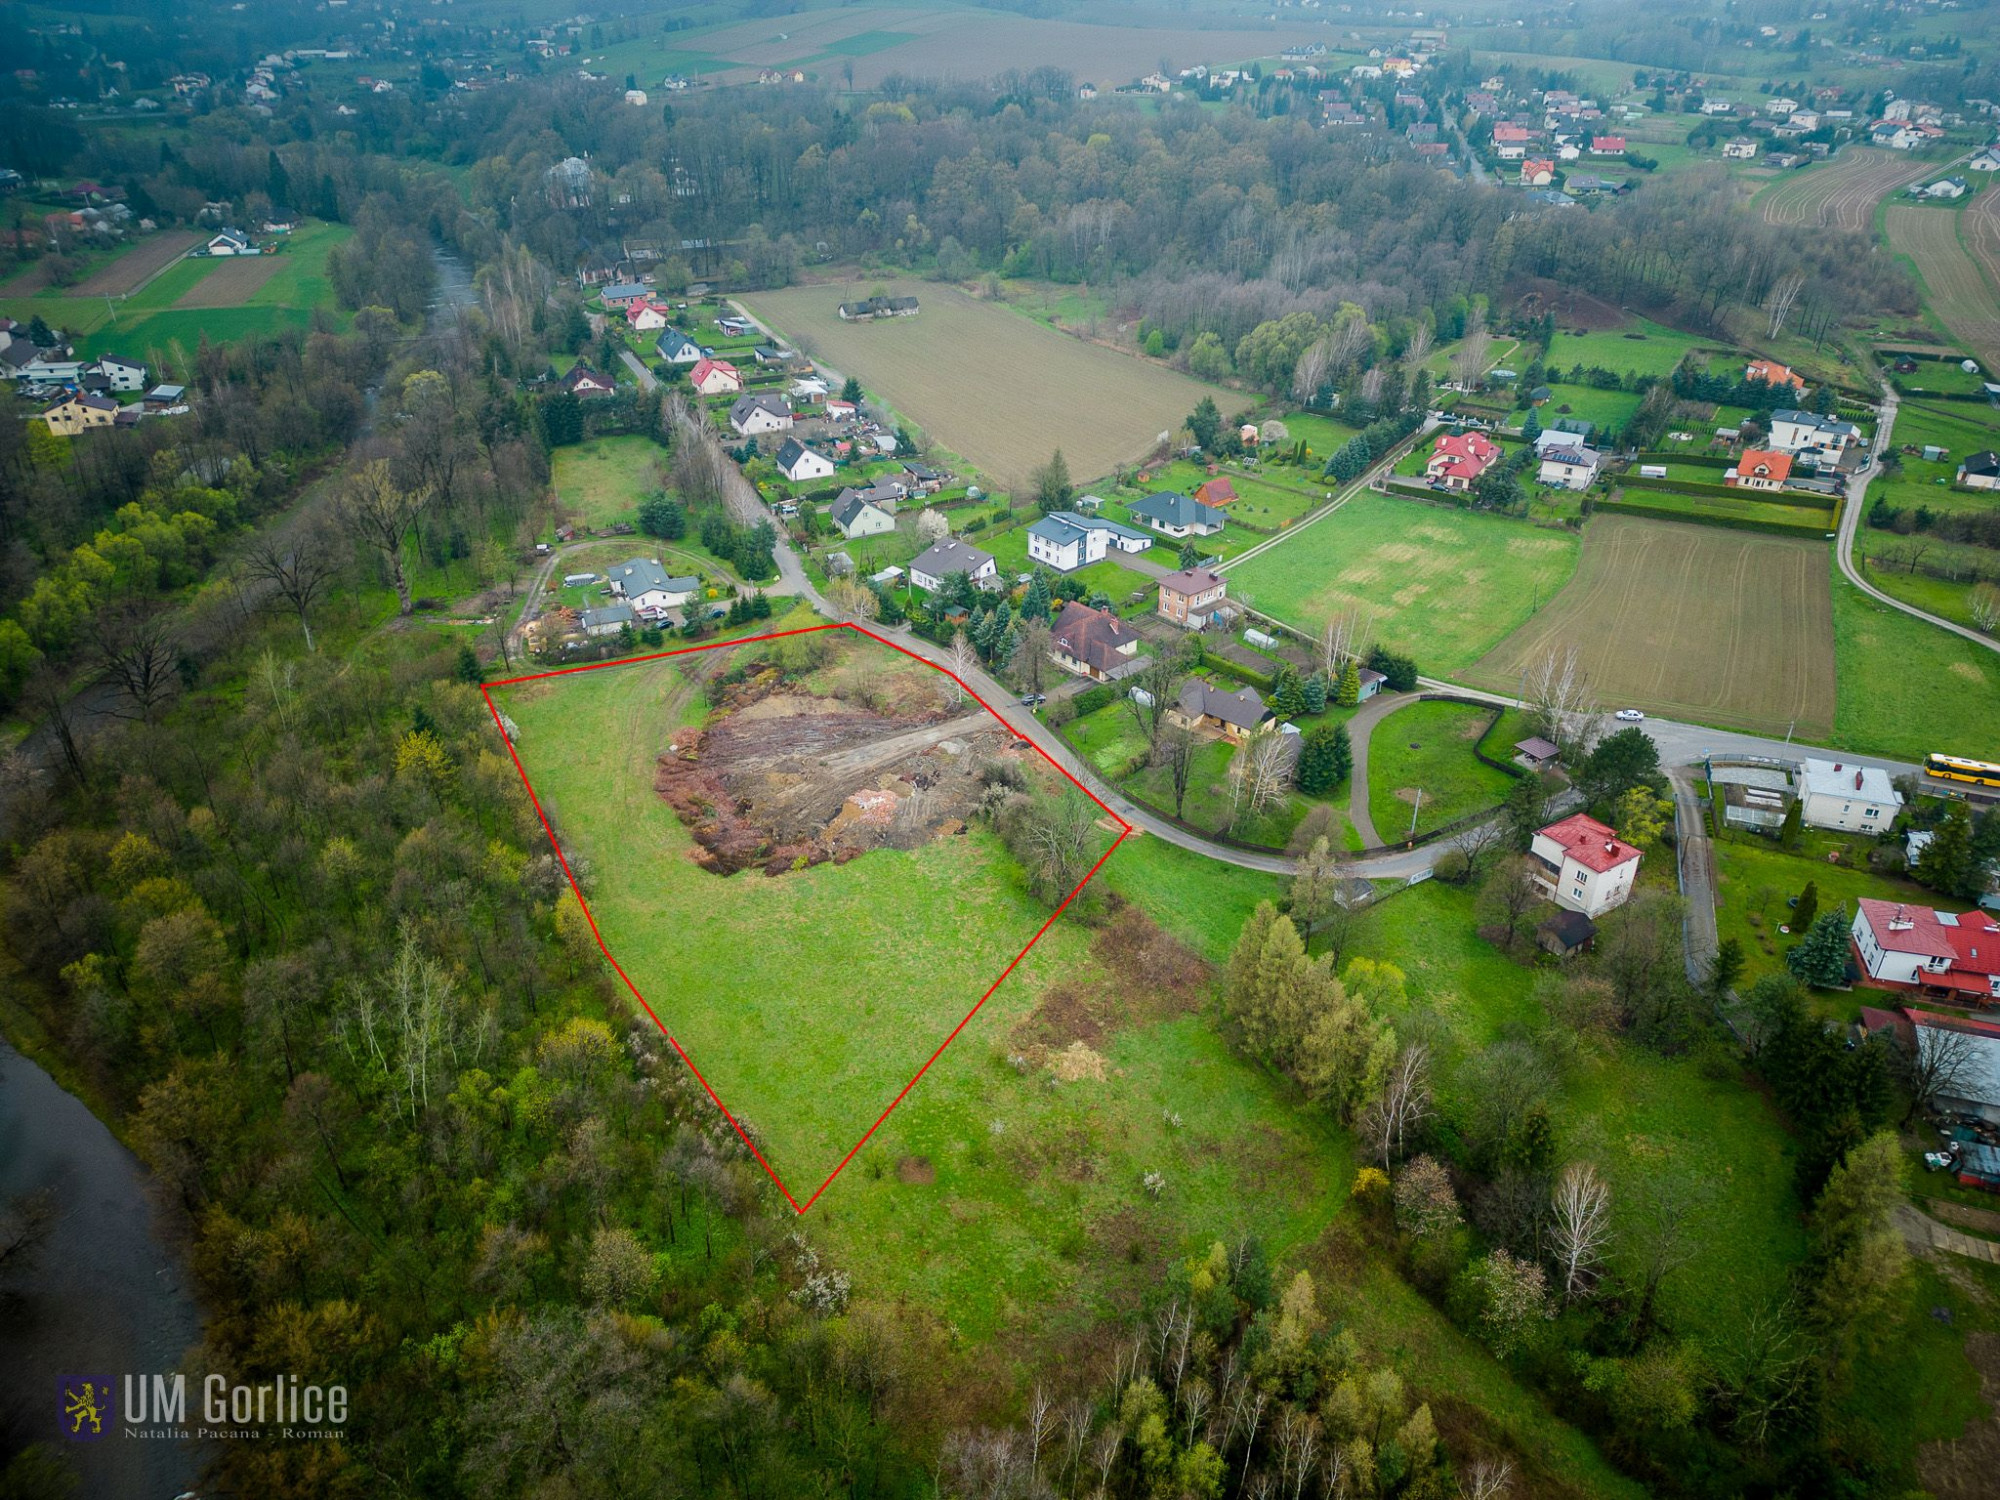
x=1066 y=541
x=1986 y=161
x=1742 y=148
x=676 y=348
x=123 y=374
x=1945 y=188
x=1177 y=515
x=942 y=559
x=646 y=317
x=1572 y=468
x=1915 y=947
x=715 y=377
x=1582 y=865
x=1844 y=796
x=1795 y=431
x=229 y=242
x=649 y=588
x=761 y=413
x=799 y=463
x=858 y=516
x=1980 y=471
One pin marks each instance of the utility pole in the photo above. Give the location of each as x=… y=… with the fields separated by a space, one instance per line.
x=1413 y=814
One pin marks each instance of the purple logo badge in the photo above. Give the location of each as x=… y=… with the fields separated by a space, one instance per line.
x=86 y=1406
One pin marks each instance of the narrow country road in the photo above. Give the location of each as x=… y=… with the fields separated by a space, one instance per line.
x=1850 y=525
x=1360 y=729
x=648 y=381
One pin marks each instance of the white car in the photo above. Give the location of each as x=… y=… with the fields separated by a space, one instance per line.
x=1629 y=715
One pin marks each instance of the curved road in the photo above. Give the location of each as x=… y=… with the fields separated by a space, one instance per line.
x=1850 y=525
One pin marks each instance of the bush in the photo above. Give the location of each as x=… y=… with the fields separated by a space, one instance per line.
x=1091 y=699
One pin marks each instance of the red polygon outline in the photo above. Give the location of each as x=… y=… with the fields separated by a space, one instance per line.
x=1125 y=832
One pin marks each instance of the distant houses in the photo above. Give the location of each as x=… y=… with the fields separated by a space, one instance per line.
x=870 y=308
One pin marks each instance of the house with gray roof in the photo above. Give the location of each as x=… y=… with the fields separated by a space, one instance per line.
x=858 y=516
x=1203 y=705
x=762 y=412
x=940 y=560
x=1176 y=514
x=648 y=588
x=607 y=620
x=676 y=348
x=1066 y=540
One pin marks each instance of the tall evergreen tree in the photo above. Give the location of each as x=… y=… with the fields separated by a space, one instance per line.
x=1947 y=864
x=279 y=185
x=1822 y=958
x=1349 y=692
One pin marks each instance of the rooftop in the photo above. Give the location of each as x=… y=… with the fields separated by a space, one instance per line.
x=1590 y=843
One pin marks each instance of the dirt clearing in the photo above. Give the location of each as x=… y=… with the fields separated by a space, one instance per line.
x=137 y=266
x=784 y=778
x=231 y=284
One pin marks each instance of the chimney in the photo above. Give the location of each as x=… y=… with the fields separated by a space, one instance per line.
x=1857 y=781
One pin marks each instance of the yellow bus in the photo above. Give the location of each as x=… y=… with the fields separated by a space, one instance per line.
x=1957 y=768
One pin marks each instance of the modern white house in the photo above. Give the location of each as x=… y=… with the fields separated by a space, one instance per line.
x=1066 y=541
x=1572 y=468
x=799 y=463
x=857 y=516
x=761 y=413
x=1843 y=796
x=1583 y=866
x=1954 y=954
x=649 y=588
x=942 y=559
x=1175 y=514
x=676 y=348
x=124 y=374
x=716 y=377
x=1801 y=431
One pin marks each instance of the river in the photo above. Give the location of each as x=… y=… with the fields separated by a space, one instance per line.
x=102 y=1296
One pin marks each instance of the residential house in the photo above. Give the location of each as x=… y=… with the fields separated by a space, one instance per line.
x=648 y=588
x=1971 y=1081
x=1952 y=955
x=1190 y=596
x=646 y=317
x=1092 y=643
x=1795 y=431
x=1583 y=866
x=1238 y=714
x=1573 y=468
x=609 y=619
x=620 y=295
x=1980 y=471
x=1456 y=462
x=676 y=348
x=799 y=463
x=761 y=413
x=585 y=382
x=1946 y=189
x=857 y=516
x=1510 y=142
x=942 y=559
x=1536 y=753
x=838 y=410
x=121 y=374
x=1895 y=136
x=1176 y=515
x=1607 y=145
x=1742 y=148
x=715 y=377
x=807 y=388
x=1847 y=797
x=79 y=412
x=1217 y=492
x=229 y=242
x=1537 y=171
x=1566 y=934
x=1067 y=540
x=1772 y=373
x=1760 y=469
x=734 y=326
x=1987 y=160
x=163 y=398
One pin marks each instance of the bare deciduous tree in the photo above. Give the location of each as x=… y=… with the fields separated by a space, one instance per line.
x=139 y=655
x=1273 y=757
x=959 y=662
x=852 y=599
x=1486 y=1479
x=1984 y=603
x=299 y=570
x=378 y=513
x=1784 y=292
x=1581 y=1211
x=1560 y=703
x=1149 y=694
x=1340 y=640
x=1404 y=1104
x=1942 y=1063
x=1176 y=751
x=1417 y=350
x=1469 y=361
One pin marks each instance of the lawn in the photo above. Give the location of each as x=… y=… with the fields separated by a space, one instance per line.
x=1718 y=627
x=1961 y=429
x=1609 y=410
x=1446 y=585
x=1907 y=688
x=1949 y=599
x=1809 y=522
x=990 y=383
x=1755 y=879
x=1428 y=747
x=1643 y=348
x=600 y=481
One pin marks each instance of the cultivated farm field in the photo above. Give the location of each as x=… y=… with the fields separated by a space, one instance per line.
x=1443 y=584
x=1843 y=193
x=1716 y=626
x=998 y=388
x=126 y=272
x=1956 y=288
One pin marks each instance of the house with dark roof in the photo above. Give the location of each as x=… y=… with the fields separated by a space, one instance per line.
x=799 y=463
x=870 y=308
x=1067 y=540
x=1566 y=934
x=1980 y=471
x=1177 y=515
x=676 y=348
x=1189 y=597
x=760 y=413
x=940 y=560
x=79 y=412
x=1238 y=714
x=622 y=294
x=1092 y=643
x=609 y=619
x=122 y=374
x=582 y=381
x=1582 y=865
x=648 y=588
x=858 y=516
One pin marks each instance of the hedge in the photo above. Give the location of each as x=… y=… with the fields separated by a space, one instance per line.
x=1264 y=682
x=1795 y=499
x=1693 y=460
x=1730 y=523
x=1091 y=699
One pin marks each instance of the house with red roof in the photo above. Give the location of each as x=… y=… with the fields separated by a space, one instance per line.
x=1772 y=373
x=1537 y=171
x=1510 y=142
x=1217 y=492
x=1582 y=865
x=1760 y=469
x=647 y=317
x=1941 y=954
x=1456 y=462
x=1607 y=145
x=716 y=377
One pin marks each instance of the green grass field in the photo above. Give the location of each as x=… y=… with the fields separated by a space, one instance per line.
x=1906 y=688
x=1610 y=410
x=1428 y=747
x=1644 y=348
x=1961 y=429
x=1444 y=584
x=1808 y=523
x=1947 y=598
x=601 y=480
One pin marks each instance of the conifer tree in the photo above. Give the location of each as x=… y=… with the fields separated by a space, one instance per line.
x=1349 y=693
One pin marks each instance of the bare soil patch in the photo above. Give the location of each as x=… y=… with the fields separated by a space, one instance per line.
x=1984 y=1220
x=137 y=265
x=1964 y=1470
x=231 y=284
x=916 y=1171
x=1573 y=309
x=785 y=778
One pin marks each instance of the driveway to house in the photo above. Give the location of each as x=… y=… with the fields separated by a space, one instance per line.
x=1360 y=729
x=1138 y=562
x=1850 y=526
x=648 y=381
x=1697 y=874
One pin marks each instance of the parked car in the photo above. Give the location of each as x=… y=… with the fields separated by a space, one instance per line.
x=1629 y=715
x=1033 y=700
